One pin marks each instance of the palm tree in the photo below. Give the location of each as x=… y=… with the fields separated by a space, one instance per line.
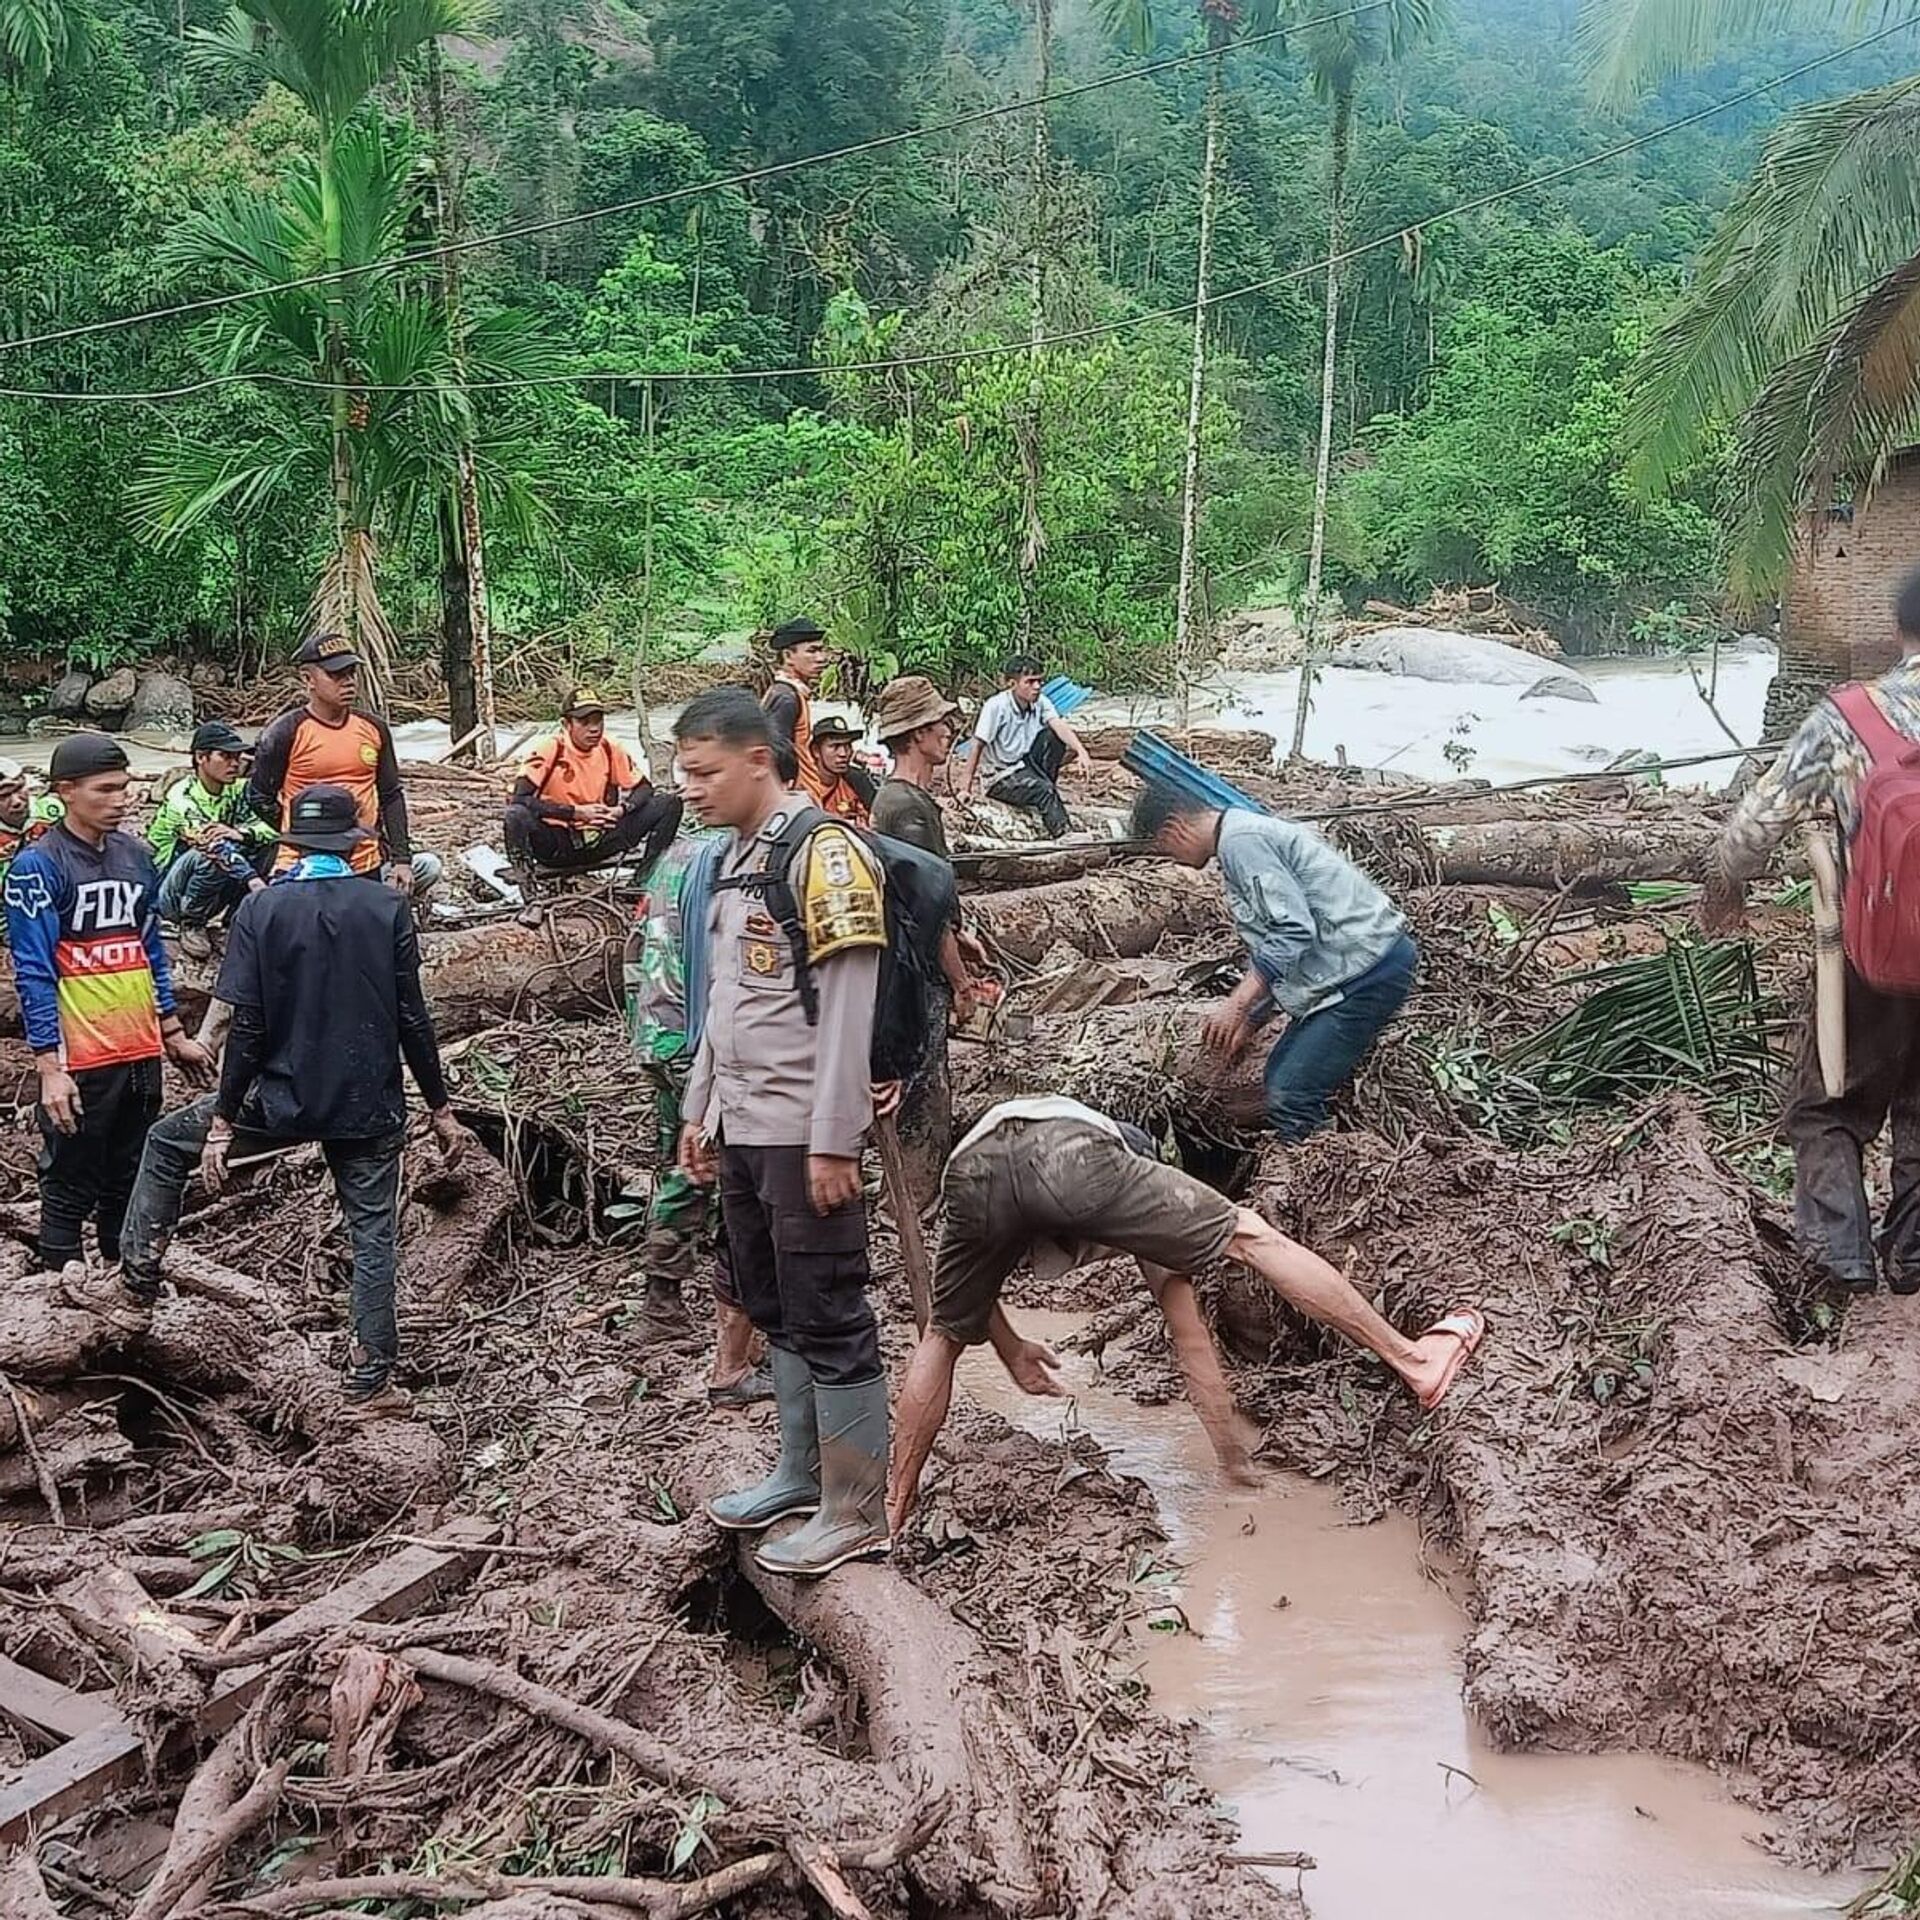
x=1338 y=46
x=1801 y=329
x=39 y=38
x=392 y=460
x=1033 y=544
x=1134 y=22
x=331 y=55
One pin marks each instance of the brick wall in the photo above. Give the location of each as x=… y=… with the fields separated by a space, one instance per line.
x=1837 y=617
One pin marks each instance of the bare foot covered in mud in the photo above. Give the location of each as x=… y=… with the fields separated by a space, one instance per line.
x=1440 y=1354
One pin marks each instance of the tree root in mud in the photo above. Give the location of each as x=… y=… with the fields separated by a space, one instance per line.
x=1104 y=915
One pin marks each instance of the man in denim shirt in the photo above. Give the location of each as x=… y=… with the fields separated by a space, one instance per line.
x=1326 y=948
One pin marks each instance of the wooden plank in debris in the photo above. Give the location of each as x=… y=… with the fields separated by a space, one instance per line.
x=32 y=1700
x=110 y=1756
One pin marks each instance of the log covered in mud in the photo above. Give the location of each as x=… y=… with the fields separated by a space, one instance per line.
x=1558 y=853
x=1121 y=914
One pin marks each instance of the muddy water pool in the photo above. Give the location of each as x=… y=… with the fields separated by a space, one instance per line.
x=1323 y=1672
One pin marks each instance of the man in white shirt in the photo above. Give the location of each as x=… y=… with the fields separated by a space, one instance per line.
x=1054 y=1184
x=1019 y=745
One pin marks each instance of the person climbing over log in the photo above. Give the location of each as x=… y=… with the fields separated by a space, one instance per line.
x=777 y=1108
x=328 y=741
x=96 y=998
x=1825 y=776
x=799 y=659
x=581 y=802
x=212 y=849
x=322 y=979
x=1327 y=951
x=666 y=997
x=1020 y=743
x=1053 y=1184
x=849 y=790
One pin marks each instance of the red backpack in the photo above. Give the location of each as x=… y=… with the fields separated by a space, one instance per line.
x=1881 y=917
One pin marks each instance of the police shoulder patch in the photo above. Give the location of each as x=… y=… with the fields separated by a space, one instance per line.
x=841 y=895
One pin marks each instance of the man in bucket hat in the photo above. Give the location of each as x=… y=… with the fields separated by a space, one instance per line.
x=322 y=977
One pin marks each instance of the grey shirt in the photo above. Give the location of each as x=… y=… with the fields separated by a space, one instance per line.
x=1311 y=920
x=1006 y=731
x=908 y=812
x=763 y=1077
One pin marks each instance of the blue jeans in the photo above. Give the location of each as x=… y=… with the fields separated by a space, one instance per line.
x=366 y=1182
x=1317 y=1056
x=195 y=890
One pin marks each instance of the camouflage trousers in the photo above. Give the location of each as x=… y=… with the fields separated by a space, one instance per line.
x=682 y=1218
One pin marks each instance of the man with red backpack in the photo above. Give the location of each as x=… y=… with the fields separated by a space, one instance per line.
x=1851 y=769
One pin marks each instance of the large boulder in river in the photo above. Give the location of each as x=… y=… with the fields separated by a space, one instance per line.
x=1458 y=659
x=108 y=699
x=162 y=703
x=68 y=699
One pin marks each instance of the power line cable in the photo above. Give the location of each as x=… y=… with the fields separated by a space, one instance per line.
x=1095 y=330
x=752 y=176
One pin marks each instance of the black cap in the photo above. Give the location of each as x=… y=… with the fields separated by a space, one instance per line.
x=330 y=650
x=324 y=819
x=795 y=633
x=81 y=755
x=832 y=727
x=217 y=736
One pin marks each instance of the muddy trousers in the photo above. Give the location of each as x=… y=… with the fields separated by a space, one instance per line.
x=802 y=1278
x=681 y=1217
x=1831 y=1217
x=88 y=1175
x=646 y=826
x=1035 y=784
x=366 y=1182
x=1317 y=1056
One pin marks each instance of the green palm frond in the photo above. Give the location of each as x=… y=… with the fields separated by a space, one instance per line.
x=185 y=480
x=1627 y=45
x=1833 y=208
x=1840 y=407
x=39 y=38
x=329 y=54
x=1136 y=24
x=1337 y=49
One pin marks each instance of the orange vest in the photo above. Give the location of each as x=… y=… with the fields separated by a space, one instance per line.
x=811 y=777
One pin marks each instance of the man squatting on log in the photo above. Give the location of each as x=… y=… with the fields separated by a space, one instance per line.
x=321 y=985
x=776 y=1108
x=1817 y=781
x=1328 y=953
x=581 y=802
x=1054 y=1184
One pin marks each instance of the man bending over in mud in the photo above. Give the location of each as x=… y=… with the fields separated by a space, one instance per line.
x=1056 y=1184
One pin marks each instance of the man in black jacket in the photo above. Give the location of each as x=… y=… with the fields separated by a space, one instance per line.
x=322 y=975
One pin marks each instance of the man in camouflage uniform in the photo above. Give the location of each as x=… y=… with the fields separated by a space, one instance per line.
x=681 y=1216
x=1815 y=783
x=777 y=1110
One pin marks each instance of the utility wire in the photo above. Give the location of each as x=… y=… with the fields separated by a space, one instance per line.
x=752 y=176
x=952 y=356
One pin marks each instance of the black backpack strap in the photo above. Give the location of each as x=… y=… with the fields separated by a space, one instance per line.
x=774 y=890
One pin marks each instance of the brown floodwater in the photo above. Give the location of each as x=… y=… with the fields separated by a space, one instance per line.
x=1322 y=1670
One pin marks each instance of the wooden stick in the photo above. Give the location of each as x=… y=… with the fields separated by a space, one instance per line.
x=820 y=1867
x=43 y=1476
x=1829 y=966
x=906 y=1219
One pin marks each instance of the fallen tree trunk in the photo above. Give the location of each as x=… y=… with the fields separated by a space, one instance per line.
x=1555 y=853
x=1104 y=915
x=1211 y=746
x=1142 y=1063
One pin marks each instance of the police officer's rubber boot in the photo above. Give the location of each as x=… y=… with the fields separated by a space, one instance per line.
x=793 y=1486
x=852 y=1521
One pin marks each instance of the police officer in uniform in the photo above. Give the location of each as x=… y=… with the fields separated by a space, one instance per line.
x=776 y=1109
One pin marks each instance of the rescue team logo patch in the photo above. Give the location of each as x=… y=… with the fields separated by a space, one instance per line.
x=841 y=904
x=369 y=754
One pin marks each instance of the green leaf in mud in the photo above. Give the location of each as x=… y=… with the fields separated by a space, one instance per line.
x=215 y=1577
x=693 y=1831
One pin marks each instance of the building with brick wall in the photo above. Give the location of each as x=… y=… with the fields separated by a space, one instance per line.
x=1836 y=617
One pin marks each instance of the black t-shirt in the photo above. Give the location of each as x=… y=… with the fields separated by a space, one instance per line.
x=324 y=980
x=904 y=811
